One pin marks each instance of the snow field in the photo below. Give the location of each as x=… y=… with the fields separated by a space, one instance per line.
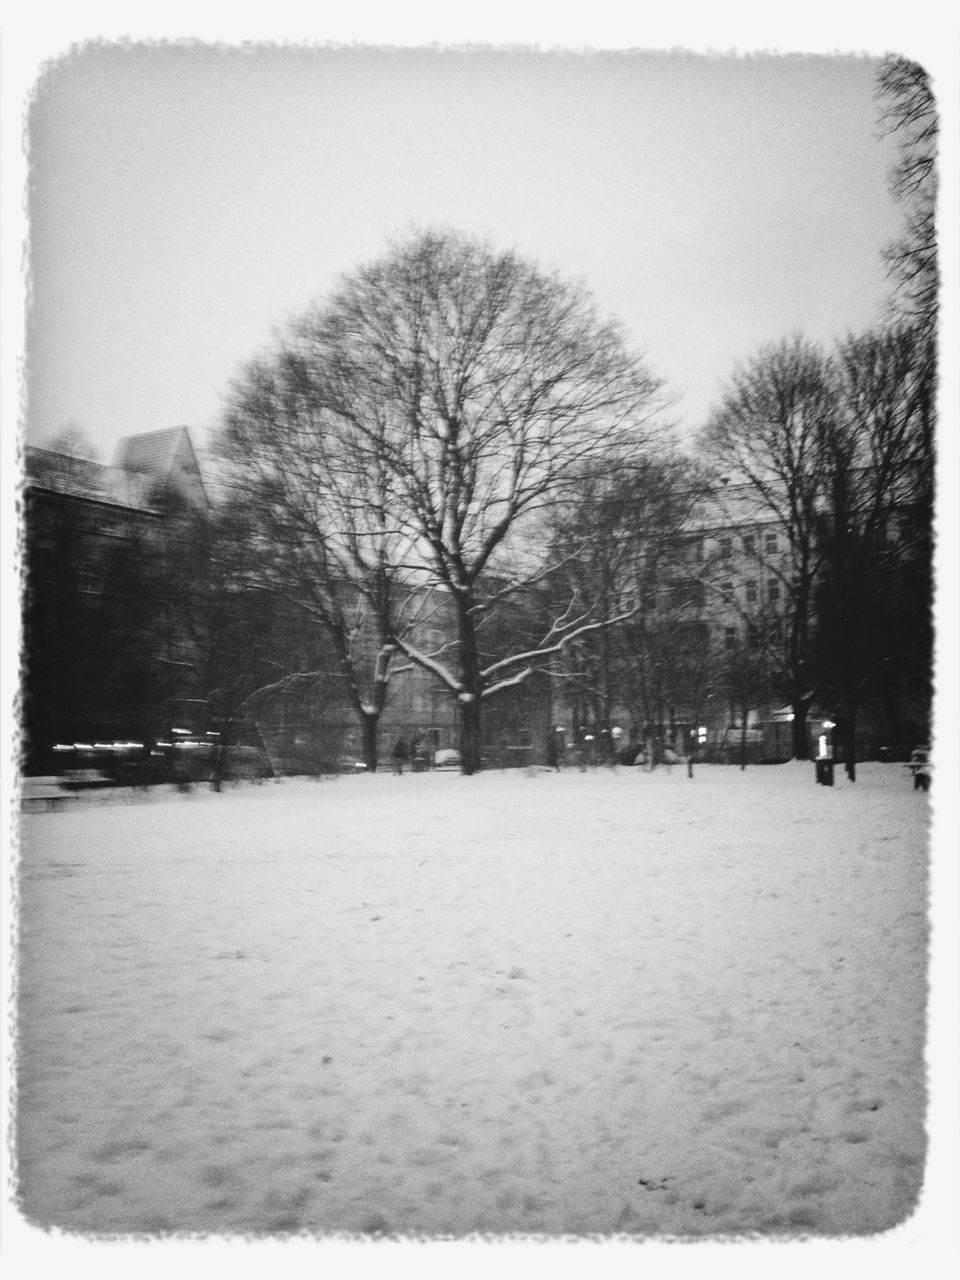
x=602 y=1003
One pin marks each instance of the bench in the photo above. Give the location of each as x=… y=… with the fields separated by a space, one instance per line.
x=41 y=794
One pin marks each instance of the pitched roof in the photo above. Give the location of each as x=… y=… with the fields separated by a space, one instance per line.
x=153 y=451
x=167 y=456
x=140 y=462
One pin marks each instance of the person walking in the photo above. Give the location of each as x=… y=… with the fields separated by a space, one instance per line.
x=399 y=756
x=920 y=767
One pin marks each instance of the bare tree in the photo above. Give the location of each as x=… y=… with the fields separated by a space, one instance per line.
x=321 y=528
x=624 y=549
x=73 y=441
x=748 y=671
x=910 y=117
x=768 y=432
x=873 y=606
x=481 y=390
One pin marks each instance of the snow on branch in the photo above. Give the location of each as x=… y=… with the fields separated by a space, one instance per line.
x=541 y=650
x=425 y=660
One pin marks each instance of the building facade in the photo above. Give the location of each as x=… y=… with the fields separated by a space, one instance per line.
x=723 y=624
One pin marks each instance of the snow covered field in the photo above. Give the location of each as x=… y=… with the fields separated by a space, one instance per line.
x=611 y=1003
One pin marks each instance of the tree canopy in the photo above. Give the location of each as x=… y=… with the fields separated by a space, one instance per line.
x=411 y=430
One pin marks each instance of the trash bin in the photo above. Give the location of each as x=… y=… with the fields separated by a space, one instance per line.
x=824 y=771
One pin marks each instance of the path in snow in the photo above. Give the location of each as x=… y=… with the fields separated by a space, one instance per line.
x=579 y=1003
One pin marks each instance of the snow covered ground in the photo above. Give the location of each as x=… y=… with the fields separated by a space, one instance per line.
x=601 y=1003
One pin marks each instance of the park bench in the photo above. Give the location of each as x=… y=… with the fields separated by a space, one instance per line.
x=38 y=794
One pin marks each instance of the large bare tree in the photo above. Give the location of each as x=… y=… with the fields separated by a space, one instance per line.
x=460 y=391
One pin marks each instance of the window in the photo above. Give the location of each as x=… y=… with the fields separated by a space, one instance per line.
x=684 y=550
x=726 y=588
x=770 y=543
x=749 y=545
x=773 y=590
x=730 y=637
x=752 y=591
x=726 y=548
x=689 y=591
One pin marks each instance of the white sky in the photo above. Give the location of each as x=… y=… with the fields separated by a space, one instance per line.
x=185 y=199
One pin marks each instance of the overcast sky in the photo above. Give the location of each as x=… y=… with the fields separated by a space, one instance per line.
x=185 y=199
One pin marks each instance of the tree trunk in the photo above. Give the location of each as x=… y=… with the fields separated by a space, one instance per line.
x=368 y=725
x=469 y=715
x=800 y=746
x=469 y=703
x=219 y=767
x=850 y=744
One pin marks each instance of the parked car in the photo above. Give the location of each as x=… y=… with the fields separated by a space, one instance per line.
x=446 y=758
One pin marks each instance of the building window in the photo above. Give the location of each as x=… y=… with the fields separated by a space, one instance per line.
x=752 y=591
x=730 y=637
x=770 y=543
x=749 y=545
x=773 y=590
x=726 y=548
x=688 y=592
x=726 y=588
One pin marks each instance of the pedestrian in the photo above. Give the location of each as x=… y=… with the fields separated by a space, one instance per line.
x=399 y=756
x=920 y=767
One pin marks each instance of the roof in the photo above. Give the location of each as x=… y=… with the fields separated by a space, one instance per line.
x=167 y=456
x=81 y=478
x=140 y=463
x=153 y=451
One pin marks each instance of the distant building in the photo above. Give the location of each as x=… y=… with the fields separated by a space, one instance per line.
x=724 y=586
x=91 y=626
